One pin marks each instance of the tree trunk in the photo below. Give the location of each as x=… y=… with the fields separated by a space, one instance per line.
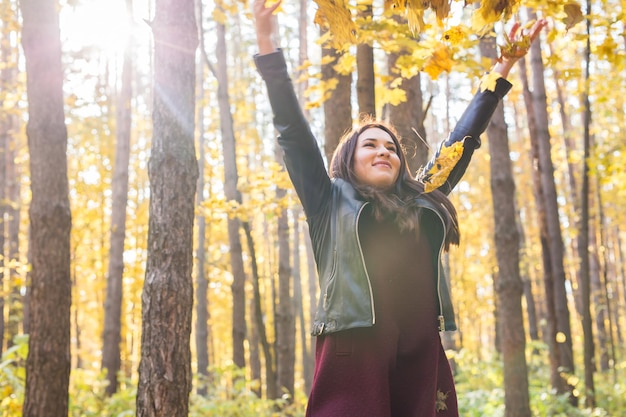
x=555 y=239
x=167 y=300
x=338 y=107
x=509 y=286
x=285 y=321
x=603 y=281
x=583 y=239
x=231 y=177
x=4 y=142
x=307 y=357
x=365 y=91
x=551 y=328
x=202 y=281
x=48 y=362
x=408 y=116
x=111 y=357
x=307 y=346
x=270 y=374
x=16 y=301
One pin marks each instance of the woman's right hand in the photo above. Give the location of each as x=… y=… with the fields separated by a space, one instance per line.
x=264 y=23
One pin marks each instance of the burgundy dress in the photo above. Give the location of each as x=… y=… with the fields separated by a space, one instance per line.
x=398 y=367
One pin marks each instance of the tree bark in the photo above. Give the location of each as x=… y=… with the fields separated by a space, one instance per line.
x=365 y=84
x=583 y=238
x=408 y=116
x=270 y=374
x=509 y=286
x=338 y=107
x=48 y=362
x=285 y=321
x=307 y=342
x=4 y=142
x=231 y=177
x=167 y=300
x=202 y=281
x=111 y=357
x=554 y=236
x=15 y=299
x=551 y=328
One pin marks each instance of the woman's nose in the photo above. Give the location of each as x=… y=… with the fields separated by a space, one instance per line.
x=383 y=151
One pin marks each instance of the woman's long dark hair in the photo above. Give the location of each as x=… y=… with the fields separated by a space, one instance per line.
x=400 y=201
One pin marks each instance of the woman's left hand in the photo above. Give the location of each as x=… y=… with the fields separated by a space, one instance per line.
x=517 y=45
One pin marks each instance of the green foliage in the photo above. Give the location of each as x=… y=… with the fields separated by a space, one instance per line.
x=13 y=377
x=230 y=395
x=480 y=389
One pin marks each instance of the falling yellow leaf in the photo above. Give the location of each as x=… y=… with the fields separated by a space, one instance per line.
x=489 y=81
x=573 y=15
x=438 y=62
x=444 y=163
x=454 y=35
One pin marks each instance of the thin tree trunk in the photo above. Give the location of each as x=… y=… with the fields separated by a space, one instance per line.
x=604 y=284
x=365 y=91
x=111 y=357
x=16 y=301
x=202 y=281
x=165 y=368
x=4 y=142
x=583 y=237
x=551 y=328
x=231 y=177
x=307 y=358
x=307 y=346
x=48 y=363
x=255 y=355
x=270 y=374
x=285 y=321
x=554 y=236
x=509 y=286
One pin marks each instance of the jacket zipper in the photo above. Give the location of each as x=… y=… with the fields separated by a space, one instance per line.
x=367 y=275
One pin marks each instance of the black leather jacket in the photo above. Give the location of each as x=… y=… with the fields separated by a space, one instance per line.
x=333 y=207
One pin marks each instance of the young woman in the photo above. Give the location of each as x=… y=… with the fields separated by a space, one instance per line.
x=378 y=235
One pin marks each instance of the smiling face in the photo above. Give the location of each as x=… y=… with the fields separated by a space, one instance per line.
x=376 y=161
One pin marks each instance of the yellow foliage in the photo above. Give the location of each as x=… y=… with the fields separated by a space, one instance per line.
x=445 y=161
x=323 y=89
x=346 y=64
x=454 y=35
x=336 y=16
x=438 y=62
x=393 y=96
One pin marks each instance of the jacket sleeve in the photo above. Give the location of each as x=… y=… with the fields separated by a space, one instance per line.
x=302 y=154
x=449 y=163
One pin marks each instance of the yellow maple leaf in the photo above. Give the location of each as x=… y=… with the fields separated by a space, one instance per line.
x=489 y=81
x=454 y=35
x=335 y=15
x=444 y=163
x=438 y=62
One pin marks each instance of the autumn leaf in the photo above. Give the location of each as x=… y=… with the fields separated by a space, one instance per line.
x=489 y=81
x=573 y=15
x=335 y=15
x=438 y=62
x=454 y=35
x=445 y=161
